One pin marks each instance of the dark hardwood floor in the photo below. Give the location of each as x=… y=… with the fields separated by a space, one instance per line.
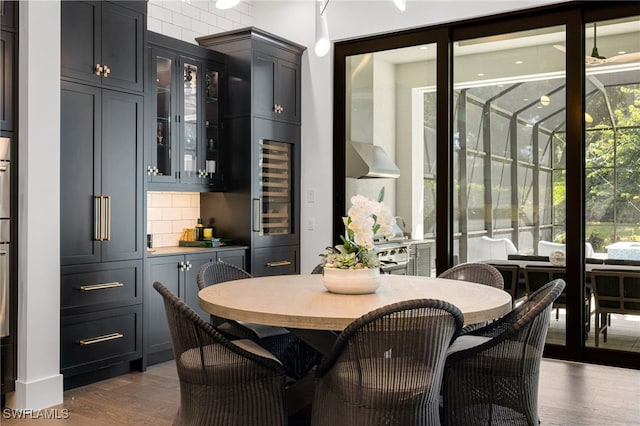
x=570 y=394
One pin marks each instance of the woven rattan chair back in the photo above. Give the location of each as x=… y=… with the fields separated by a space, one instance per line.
x=480 y=273
x=220 y=382
x=493 y=378
x=386 y=366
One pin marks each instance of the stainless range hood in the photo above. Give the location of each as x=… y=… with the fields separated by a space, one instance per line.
x=365 y=160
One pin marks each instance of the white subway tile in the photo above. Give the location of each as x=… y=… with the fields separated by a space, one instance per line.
x=175 y=5
x=191 y=213
x=199 y=27
x=159 y=12
x=162 y=227
x=180 y=20
x=246 y=21
x=195 y=200
x=162 y=199
x=189 y=36
x=154 y=213
x=171 y=30
x=208 y=18
x=171 y=214
x=190 y=11
x=154 y=24
x=171 y=240
x=233 y=15
x=225 y=23
x=181 y=200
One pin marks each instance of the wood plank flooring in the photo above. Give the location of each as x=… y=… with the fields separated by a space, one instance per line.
x=570 y=394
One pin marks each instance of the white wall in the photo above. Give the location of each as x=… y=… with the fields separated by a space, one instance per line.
x=294 y=20
x=39 y=383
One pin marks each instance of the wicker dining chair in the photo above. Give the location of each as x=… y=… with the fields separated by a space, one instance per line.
x=491 y=374
x=318 y=269
x=481 y=273
x=222 y=382
x=386 y=366
x=297 y=357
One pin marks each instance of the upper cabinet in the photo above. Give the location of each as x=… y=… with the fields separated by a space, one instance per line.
x=7 y=80
x=8 y=14
x=184 y=150
x=276 y=88
x=103 y=43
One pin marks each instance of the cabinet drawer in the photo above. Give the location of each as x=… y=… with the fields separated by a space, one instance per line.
x=102 y=338
x=105 y=285
x=275 y=261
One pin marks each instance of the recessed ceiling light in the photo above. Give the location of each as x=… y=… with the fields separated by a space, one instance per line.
x=545 y=100
x=622 y=52
x=519 y=62
x=526 y=99
x=423 y=47
x=480 y=74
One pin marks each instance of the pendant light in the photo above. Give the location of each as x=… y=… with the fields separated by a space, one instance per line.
x=401 y=4
x=323 y=43
x=226 y=4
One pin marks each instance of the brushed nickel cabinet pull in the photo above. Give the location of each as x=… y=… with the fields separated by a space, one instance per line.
x=100 y=286
x=278 y=263
x=100 y=339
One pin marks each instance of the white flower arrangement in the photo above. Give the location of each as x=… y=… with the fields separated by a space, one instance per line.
x=365 y=219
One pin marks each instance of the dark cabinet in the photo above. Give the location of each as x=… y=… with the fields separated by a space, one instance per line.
x=103 y=42
x=178 y=273
x=101 y=152
x=8 y=13
x=277 y=88
x=7 y=81
x=262 y=118
x=184 y=147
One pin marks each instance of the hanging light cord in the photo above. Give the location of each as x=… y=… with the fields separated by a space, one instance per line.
x=323 y=6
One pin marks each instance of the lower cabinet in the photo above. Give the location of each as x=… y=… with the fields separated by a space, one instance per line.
x=178 y=273
x=268 y=261
x=101 y=320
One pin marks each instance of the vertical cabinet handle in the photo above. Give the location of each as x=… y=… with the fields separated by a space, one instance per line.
x=101 y=217
x=107 y=215
x=97 y=218
x=257 y=213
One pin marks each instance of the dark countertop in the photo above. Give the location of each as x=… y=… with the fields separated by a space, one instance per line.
x=168 y=251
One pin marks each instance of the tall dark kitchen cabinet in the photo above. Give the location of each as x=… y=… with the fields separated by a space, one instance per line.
x=101 y=181
x=261 y=208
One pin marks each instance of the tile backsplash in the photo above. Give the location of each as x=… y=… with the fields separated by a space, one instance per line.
x=168 y=213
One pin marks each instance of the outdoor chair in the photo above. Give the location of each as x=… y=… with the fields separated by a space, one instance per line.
x=492 y=373
x=480 y=273
x=297 y=357
x=615 y=292
x=222 y=382
x=511 y=276
x=386 y=366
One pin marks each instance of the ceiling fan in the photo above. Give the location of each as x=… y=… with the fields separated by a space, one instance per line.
x=596 y=59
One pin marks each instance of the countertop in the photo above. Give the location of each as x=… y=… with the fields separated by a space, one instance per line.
x=167 y=251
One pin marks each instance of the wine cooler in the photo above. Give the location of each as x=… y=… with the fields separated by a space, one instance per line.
x=275 y=183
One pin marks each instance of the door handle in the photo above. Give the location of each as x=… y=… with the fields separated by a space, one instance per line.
x=97 y=218
x=257 y=215
x=107 y=214
x=278 y=263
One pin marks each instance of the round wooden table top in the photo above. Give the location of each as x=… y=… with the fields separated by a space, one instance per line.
x=302 y=301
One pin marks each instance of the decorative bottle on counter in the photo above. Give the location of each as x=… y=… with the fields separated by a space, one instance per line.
x=199 y=230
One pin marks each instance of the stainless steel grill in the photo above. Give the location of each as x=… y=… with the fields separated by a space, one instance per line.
x=393 y=256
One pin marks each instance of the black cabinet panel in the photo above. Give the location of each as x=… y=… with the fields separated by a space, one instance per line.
x=102 y=44
x=122 y=46
x=81 y=29
x=122 y=123
x=288 y=91
x=234 y=257
x=101 y=156
x=195 y=262
x=7 y=81
x=156 y=331
x=80 y=125
x=101 y=285
x=100 y=338
x=8 y=13
x=276 y=261
x=264 y=82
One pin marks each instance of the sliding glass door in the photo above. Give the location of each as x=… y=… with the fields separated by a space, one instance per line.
x=517 y=140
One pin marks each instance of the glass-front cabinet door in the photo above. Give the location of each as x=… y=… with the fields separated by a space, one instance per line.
x=189 y=163
x=161 y=166
x=214 y=150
